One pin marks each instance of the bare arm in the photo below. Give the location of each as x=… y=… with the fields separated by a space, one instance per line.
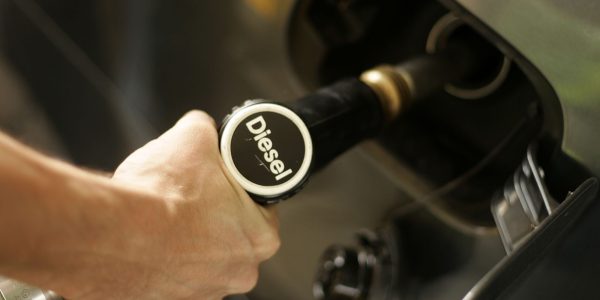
x=170 y=224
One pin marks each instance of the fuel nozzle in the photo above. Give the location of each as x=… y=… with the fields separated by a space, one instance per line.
x=272 y=148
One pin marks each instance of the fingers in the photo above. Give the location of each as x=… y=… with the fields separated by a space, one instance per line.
x=270 y=214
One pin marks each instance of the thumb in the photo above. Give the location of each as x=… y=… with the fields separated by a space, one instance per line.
x=194 y=128
x=191 y=142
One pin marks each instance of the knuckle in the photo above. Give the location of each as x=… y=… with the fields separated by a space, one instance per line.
x=248 y=280
x=267 y=244
x=273 y=246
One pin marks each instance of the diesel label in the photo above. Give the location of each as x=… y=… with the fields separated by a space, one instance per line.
x=258 y=127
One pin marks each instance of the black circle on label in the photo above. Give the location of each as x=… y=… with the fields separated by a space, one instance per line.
x=267 y=148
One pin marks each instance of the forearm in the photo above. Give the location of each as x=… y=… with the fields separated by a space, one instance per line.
x=25 y=184
x=56 y=219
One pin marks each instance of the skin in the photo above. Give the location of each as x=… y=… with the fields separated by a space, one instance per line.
x=170 y=224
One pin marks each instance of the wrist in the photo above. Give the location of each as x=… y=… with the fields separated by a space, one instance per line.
x=95 y=226
x=24 y=182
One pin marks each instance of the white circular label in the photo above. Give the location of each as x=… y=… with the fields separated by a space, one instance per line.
x=267 y=148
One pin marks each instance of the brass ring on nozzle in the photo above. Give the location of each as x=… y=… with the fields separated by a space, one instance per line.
x=391 y=88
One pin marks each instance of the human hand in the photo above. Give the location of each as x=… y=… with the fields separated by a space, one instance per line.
x=190 y=231
x=216 y=235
